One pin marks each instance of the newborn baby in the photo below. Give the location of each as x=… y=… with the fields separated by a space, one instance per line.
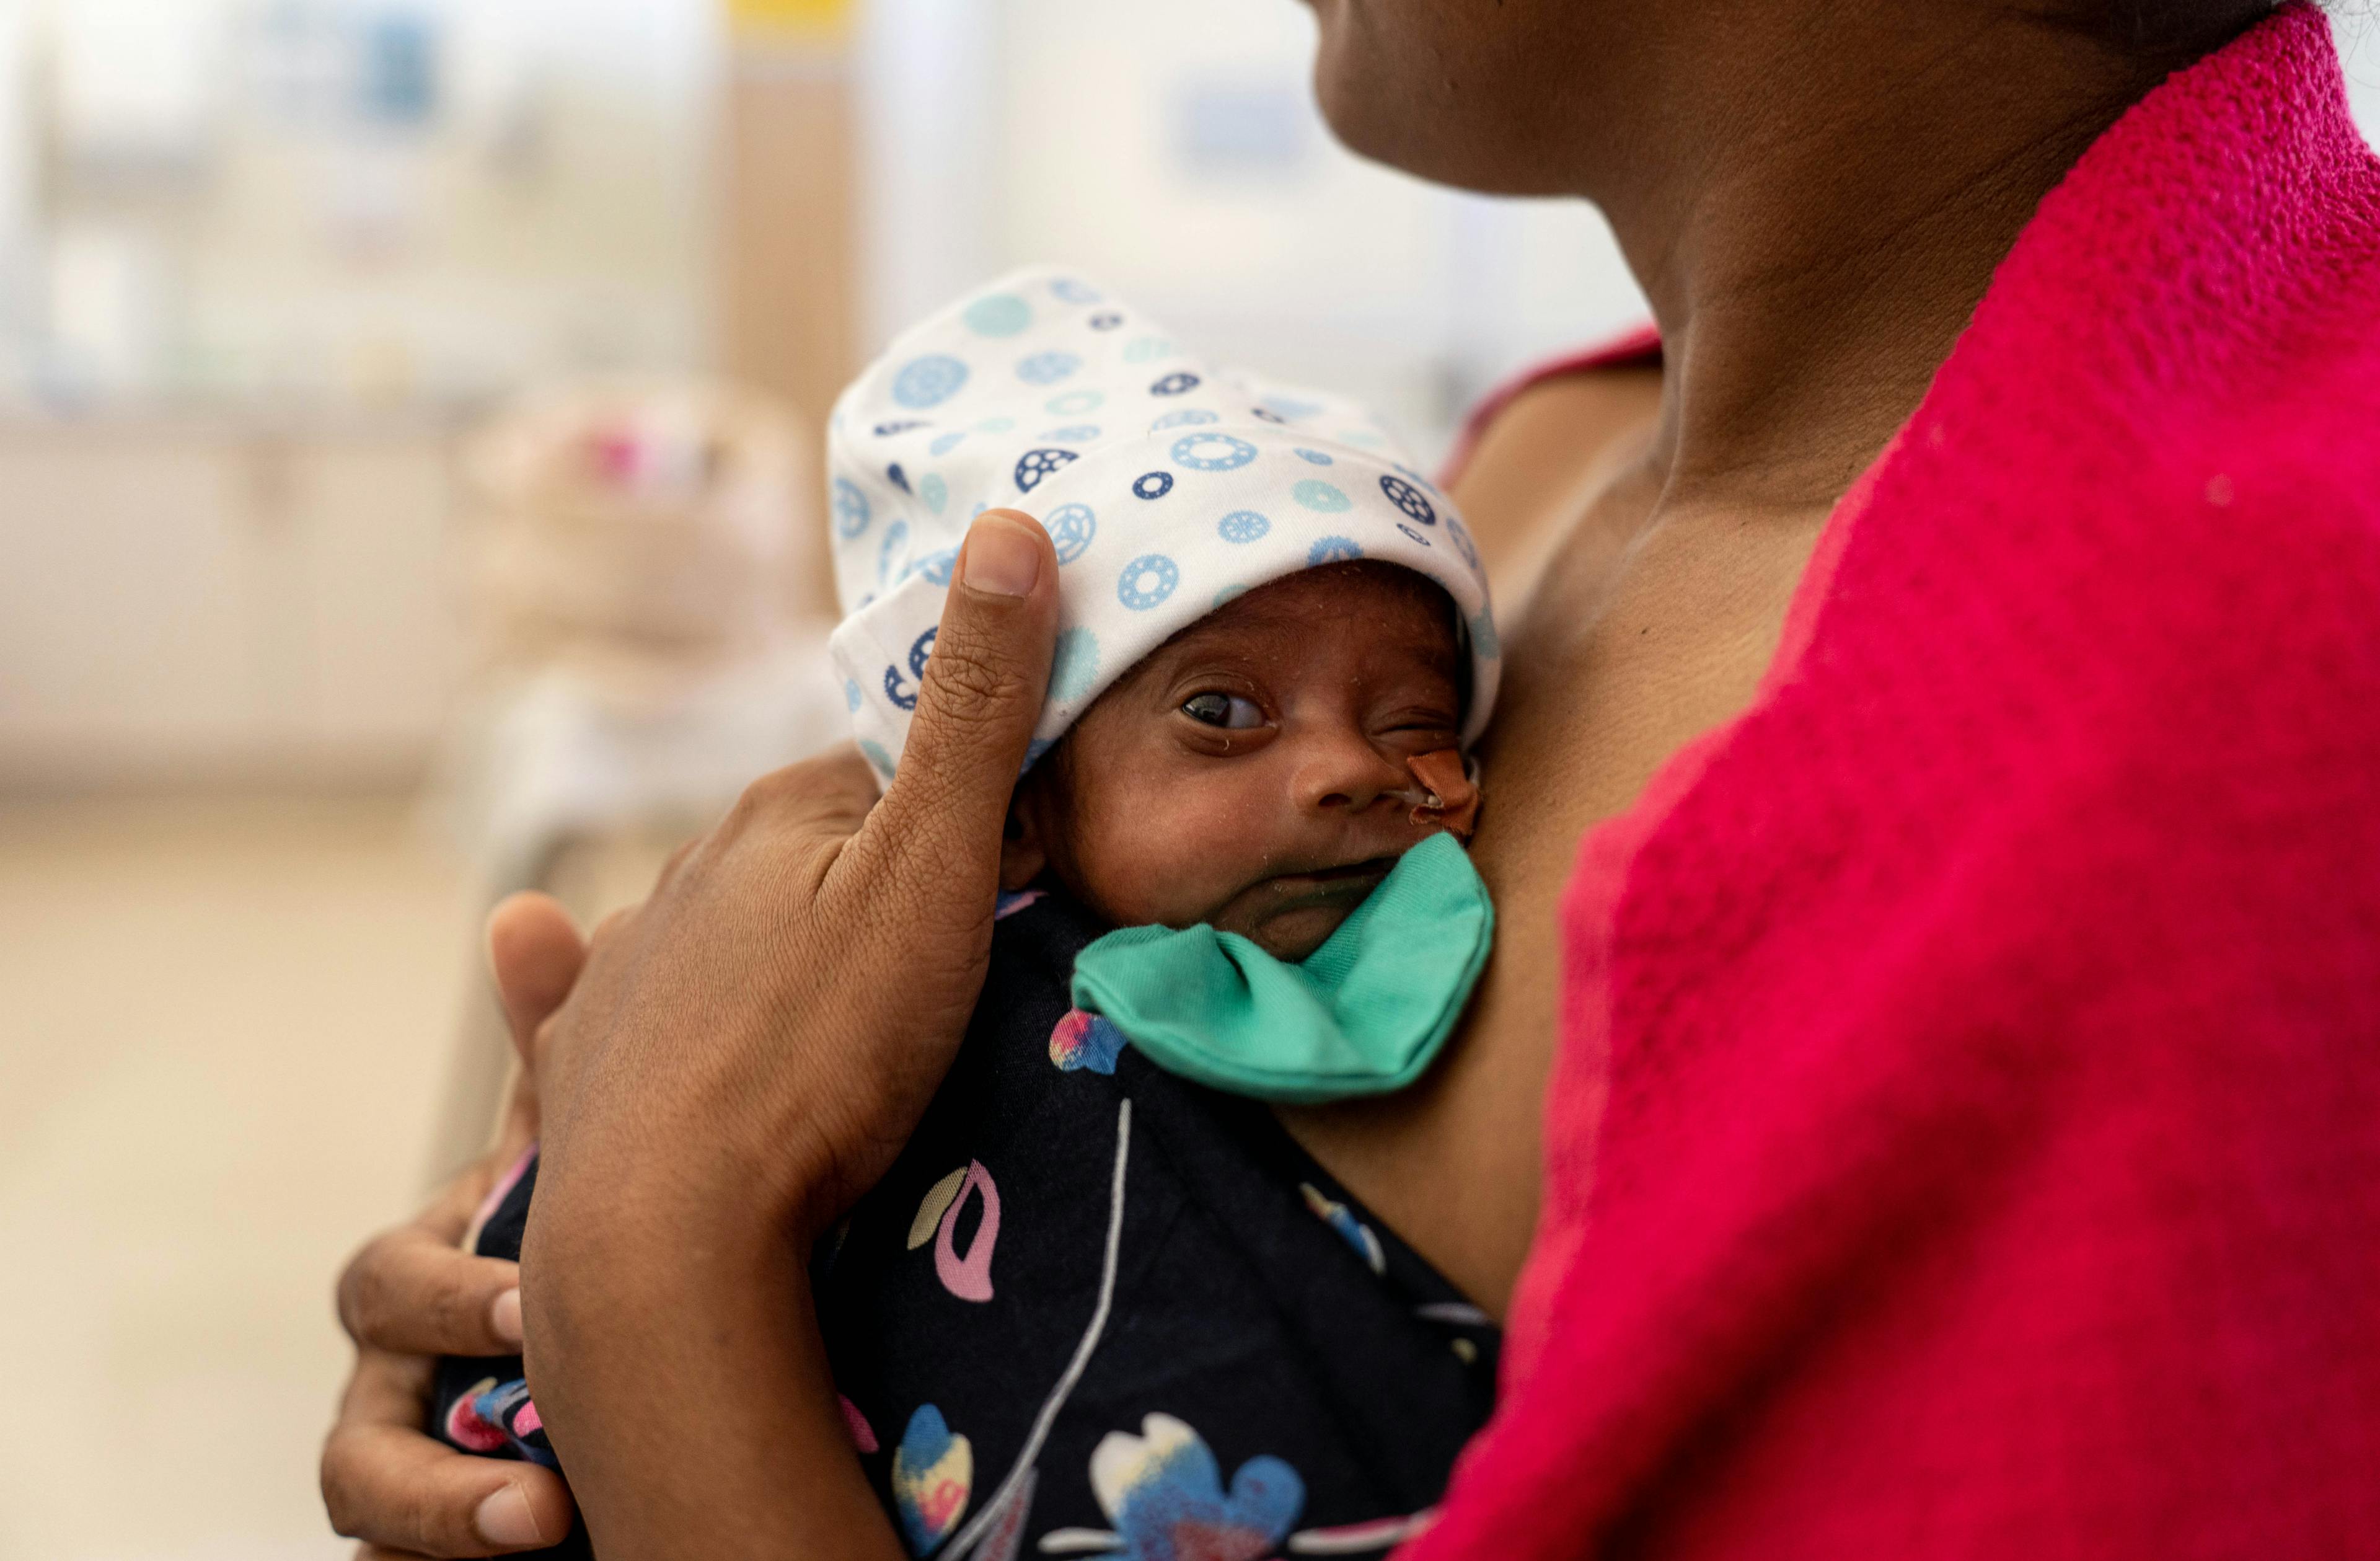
x=1103 y=1304
x=1254 y=772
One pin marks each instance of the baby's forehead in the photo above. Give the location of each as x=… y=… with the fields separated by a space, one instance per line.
x=1395 y=606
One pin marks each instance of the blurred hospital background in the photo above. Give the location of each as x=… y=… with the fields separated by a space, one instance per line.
x=409 y=444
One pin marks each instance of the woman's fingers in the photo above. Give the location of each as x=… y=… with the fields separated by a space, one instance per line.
x=413 y=1291
x=413 y=1294
x=980 y=698
x=387 y=1482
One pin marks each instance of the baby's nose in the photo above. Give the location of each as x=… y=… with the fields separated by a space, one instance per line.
x=1344 y=770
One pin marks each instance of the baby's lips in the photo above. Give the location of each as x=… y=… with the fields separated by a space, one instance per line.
x=1450 y=799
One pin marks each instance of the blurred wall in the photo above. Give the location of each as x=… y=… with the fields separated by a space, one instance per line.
x=373 y=203
x=1175 y=153
x=262 y=261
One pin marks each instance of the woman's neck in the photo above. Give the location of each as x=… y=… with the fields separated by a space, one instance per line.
x=1815 y=209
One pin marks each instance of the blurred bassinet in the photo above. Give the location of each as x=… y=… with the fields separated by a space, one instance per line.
x=644 y=578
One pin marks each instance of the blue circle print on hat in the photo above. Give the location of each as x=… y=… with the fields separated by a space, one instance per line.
x=1483 y=635
x=1034 y=464
x=1048 y=368
x=1212 y=452
x=850 y=509
x=1073 y=664
x=1321 y=496
x=1333 y=550
x=1175 y=384
x=1407 y=497
x=1002 y=314
x=903 y=692
x=1152 y=484
x=1242 y=526
x=1071 y=528
x=1463 y=541
x=928 y=382
x=1146 y=581
x=1187 y=417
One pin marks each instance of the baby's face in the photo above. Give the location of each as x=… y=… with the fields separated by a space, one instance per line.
x=1251 y=772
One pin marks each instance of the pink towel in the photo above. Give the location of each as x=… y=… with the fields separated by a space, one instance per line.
x=1990 y=1019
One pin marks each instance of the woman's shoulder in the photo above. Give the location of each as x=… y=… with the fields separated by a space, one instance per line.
x=1609 y=380
x=1531 y=450
x=2264 y=494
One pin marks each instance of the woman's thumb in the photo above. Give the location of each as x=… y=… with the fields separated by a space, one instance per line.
x=977 y=703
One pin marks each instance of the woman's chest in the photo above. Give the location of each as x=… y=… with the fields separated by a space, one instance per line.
x=1640 y=635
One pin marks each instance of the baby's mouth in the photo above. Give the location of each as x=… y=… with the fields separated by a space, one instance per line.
x=1314 y=886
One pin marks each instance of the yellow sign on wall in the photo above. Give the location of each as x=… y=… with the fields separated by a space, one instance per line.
x=808 y=18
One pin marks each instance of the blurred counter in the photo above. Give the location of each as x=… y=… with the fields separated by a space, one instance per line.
x=224 y=595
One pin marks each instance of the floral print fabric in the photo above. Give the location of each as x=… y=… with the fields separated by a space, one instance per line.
x=1097 y=1311
x=1184 y=1341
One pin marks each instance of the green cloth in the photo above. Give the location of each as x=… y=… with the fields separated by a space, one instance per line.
x=1364 y=1014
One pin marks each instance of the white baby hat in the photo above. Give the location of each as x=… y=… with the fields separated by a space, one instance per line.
x=1170 y=487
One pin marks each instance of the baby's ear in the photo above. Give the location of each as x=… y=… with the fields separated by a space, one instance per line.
x=1023 y=854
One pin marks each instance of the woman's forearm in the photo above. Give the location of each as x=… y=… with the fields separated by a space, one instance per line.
x=739 y=1061
x=685 y=1388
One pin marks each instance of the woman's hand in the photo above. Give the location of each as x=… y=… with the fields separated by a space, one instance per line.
x=742 y=1057
x=412 y=1295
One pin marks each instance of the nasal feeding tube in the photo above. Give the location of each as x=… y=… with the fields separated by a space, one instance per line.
x=1445 y=791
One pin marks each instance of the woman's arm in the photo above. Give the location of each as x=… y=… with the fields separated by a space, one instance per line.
x=741 y=1059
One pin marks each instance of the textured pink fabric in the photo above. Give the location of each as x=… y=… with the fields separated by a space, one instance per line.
x=1984 y=1031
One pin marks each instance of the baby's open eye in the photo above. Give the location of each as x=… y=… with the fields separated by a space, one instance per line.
x=1228 y=711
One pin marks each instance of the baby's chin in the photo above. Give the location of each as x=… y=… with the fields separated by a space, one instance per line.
x=1292 y=916
x=1291 y=935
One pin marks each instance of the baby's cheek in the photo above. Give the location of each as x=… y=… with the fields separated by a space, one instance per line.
x=1173 y=856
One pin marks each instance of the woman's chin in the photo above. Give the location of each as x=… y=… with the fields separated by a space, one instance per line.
x=1386 y=88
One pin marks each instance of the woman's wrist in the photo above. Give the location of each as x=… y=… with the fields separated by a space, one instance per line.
x=642 y=1349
